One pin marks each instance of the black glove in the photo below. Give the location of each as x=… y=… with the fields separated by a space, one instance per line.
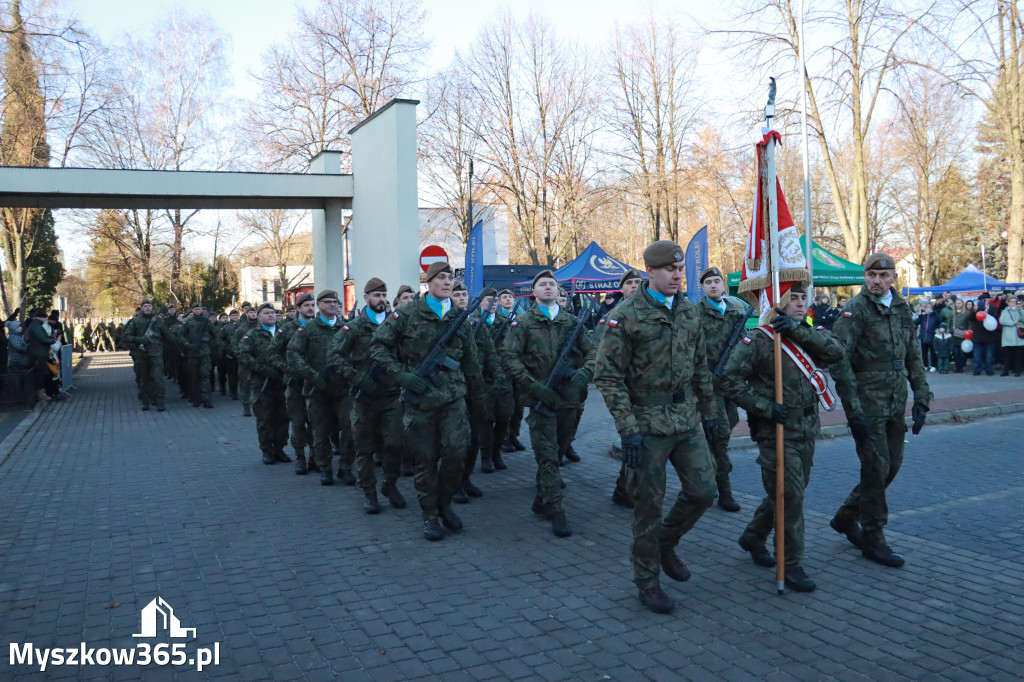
x=319 y=384
x=633 y=448
x=411 y=382
x=919 y=412
x=580 y=378
x=779 y=413
x=544 y=394
x=860 y=426
x=784 y=324
x=368 y=386
x=709 y=426
x=271 y=373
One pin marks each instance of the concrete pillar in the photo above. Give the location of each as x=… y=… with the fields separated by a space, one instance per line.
x=328 y=246
x=384 y=233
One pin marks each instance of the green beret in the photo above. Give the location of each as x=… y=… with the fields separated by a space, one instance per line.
x=375 y=284
x=459 y=286
x=326 y=293
x=437 y=268
x=542 y=274
x=711 y=272
x=505 y=291
x=489 y=291
x=303 y=298
x=405 y=288
x=629 y=274
x=265 y=306
x=663 y=252
x=879 y=261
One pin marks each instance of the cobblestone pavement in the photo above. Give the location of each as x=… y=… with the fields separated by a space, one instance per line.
x=106 y=507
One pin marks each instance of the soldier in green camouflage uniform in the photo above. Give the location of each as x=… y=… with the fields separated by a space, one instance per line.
x=328 y=395
x=530 y=351
x=653 y=373
x=295 y=402
x=376 y=411
x=749 y=381
x=499 y=397
x=146 y=334
x=719 y=315
x=507 y=302
x=882 y=353
x=245 y=323
x=172 y=353
x=266 y=384
x=196 y=337
x=229 y=363
x=436 y=425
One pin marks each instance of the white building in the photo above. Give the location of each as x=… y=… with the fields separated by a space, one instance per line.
x=262 y=284
x=438 y=227
x=906 y=271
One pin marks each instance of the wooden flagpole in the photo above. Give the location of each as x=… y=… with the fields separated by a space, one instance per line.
x=773 y=243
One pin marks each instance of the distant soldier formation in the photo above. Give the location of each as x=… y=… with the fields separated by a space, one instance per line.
x=436 y=385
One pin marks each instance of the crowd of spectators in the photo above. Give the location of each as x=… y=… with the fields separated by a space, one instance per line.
x=32 y=347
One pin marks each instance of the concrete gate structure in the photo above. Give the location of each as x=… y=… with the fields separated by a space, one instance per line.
x=381 y=191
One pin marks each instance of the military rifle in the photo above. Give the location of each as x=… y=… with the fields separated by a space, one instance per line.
x=734 y=338
x=499 y=333
x=561 y=370
x=437 y=358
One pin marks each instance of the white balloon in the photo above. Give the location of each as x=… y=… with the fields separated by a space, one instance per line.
x=967 y=346
x=990 y=323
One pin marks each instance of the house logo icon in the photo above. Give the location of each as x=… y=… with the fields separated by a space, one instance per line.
x=150 y=620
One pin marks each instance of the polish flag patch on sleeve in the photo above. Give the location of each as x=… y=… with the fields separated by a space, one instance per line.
x=514 y=324
x=395 y=314
x=746 y=340
x=847 y=314
x=345 y=327
x=245 y=337
x=613 y=323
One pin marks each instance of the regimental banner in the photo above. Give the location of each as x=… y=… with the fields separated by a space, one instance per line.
x=696 y=263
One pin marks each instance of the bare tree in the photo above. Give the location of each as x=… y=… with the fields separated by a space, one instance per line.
x=277 y=229
x=346 y=60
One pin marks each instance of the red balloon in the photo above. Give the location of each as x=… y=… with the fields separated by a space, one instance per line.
x=968 y=334
x=980 y=315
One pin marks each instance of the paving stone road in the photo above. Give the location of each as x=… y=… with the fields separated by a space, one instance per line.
x=105 y=508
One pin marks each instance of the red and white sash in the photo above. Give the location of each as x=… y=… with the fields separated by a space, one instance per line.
x=806 y=365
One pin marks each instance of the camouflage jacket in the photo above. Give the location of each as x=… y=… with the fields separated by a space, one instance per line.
x=197 y=336
x=402 y=342
x=349 y=354
x=307 y=356
x=255 y=352
x=491 y=365
x=148 y=333
x=718 y=326
x=239 y=329
x=531 y=349
x=749 y=381
x=651 y=367
x=882 y=353
x=278 y=355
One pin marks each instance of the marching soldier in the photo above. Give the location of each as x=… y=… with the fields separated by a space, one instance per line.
x=506 y=304
x=749 y=382
x=405 y=295
x=172 y=353
x=530 y=351
x=436 y=425
x=229 y=363
x=629 y=282
x=146 y=334
x=653 y=373
x=295 y=402
x=376 y=412
x=499 y=396
x=266 y=384
x=882 y=353
x=196 y=337
x=245 y=323
x=719 y=315
x=328 y=402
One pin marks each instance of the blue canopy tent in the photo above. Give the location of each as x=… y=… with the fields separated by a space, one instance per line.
x=590 y=272
x=971 y=281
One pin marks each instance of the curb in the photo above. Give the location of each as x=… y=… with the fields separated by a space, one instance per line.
x=966 y=414
x=18 y=432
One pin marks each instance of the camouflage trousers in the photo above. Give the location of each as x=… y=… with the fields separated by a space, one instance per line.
x=271 y=417
x=331 y=418
x=149 y=376
x=295 y=404
x=798 y=456
x=652 y=535
x=439 y=439
x=881 y=455
x=489 y=425
x=198 y=370
x=516 y=420
x=227 y=374
x=727 y=419
x=243 y=384
x=377 y=427
x=549 y=436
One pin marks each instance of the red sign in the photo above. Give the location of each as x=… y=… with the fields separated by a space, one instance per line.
x=432 y=254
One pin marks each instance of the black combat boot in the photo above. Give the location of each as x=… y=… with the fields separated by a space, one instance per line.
x=449 y=518
x=655 y=599
x=234 y=395
x=145 y=406
x=269 y=458
x=507 y=446
x=281 y=456
x=758 y=552
x=486 y=463
x=516 y=444
x=160 y=406
x=797 y=580
x=622 y=498
x=246 y=410
x=570 y=454
x=311 y=463
x=207 y=403
x=390 y=491
x=499 y=462
x=725 y=499
x=559 y=526
x=408 y=469
x=300 y=462
x=538 y=505
x=470 y=489
x=851 y=530
x=326 y=476
x=881 y=554
x=371 y=505
x=674 y=567
x=460 y=496
x=432 y=529
x=346 y=476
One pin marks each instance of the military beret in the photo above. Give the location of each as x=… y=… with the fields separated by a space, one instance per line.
x=459 y=286
x=711 y=272
x=405 y=288
x=505 y=291
x=196 y=304
x=246 y=304
x=375 y=284
x=562 y=291
x=489 y=291
x=437 y=268
x=663 y=252
x=233 y=312
x=146 y=301
x=288 y=309
x=879 y=261
x=303 y=298
x=326 y=293
x=265 y=306
x=542 y=274
x=629 y=274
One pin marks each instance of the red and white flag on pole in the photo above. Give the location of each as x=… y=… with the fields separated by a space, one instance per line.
x=756 y=281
